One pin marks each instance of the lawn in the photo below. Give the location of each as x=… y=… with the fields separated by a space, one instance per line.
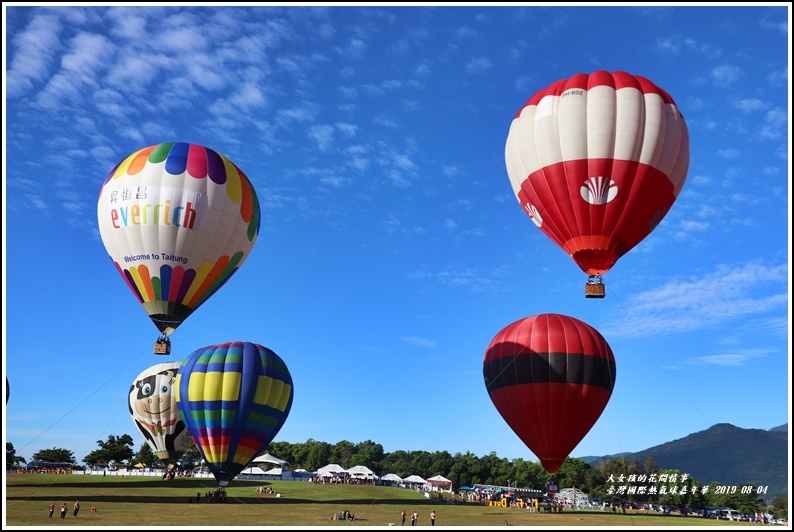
x=150 y=502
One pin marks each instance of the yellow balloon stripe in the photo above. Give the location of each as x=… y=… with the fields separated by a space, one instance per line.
x=273 y=393
x=234 y=187
x=122 y=169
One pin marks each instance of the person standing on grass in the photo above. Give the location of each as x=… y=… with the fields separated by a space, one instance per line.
x=52 y=509
x=433 y=518
x=414 y=517
x=63 y=511
x=402 y=518
x=76 y=508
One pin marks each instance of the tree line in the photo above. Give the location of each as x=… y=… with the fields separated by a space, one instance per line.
x=617 y=480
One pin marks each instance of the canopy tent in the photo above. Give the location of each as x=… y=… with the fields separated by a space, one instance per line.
x=414 y=479
x=253 y=470
x=361 y=471
x=268 y=458
x=440 y=482
x=330 y=470
x=391 y=477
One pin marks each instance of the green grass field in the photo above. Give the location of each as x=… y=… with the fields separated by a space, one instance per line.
x=151 y=502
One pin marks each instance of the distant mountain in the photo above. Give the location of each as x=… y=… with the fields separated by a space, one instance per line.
x=725 y=454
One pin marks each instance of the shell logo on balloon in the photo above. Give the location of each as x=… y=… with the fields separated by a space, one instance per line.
x=598 y=190
x=178 y=220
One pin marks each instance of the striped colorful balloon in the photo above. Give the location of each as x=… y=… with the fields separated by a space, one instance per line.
x=178 y=220
x=234 y=398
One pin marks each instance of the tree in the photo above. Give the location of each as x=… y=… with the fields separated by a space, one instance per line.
x=12 y=460
x=55 y=455
x=779 y=507
x=341 y=453
x=115 y=448
x=319 y=455
x=192 y=457
x=145 y=455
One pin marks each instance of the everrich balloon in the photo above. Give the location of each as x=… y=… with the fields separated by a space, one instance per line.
x=152 y=404
x=178 y=220
x=550 y=377
x=596 y=161
x=234 y=398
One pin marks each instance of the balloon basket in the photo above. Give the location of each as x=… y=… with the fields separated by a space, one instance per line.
x=162 y=346
x=594 y=290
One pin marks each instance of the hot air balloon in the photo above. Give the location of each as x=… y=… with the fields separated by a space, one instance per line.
x=152 y=404
x=550 y=377
x=596 y=161
x=234 y=398
x=178 y=220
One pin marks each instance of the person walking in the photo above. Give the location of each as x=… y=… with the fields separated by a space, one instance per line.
x=52 y=509
x=402 y=518
x=414 y=517
x=76 y=508
x=63 y=511
x=433 y=518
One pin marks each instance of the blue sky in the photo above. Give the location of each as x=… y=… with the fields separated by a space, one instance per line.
x=392 y=249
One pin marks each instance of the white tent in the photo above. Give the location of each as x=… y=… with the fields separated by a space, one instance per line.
x=253 y=470
x=268 y=458
x=276 y=472
x=391 y=477
x=414 y=479
x=441 y=483
x=330 y=470
x=361 y=471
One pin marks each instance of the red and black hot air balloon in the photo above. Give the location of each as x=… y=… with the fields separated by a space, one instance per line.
x=550 y=376
x=596 y=161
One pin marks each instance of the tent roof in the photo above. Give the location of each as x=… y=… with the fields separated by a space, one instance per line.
x=361 y=470
x=439 y=479
x=268 y=458
x=392 y=477
x=415 y=479
x=331 y=468
x=253 y=470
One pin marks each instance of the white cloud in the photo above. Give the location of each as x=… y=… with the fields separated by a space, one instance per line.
x=423 y=342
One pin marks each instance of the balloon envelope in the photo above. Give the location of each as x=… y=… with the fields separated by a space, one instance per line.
x=152 y=405
x=234 y=397
x=178 y=220
x=596 y=161
x=550 y=376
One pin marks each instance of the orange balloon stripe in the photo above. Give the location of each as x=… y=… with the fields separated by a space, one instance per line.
x=144 y=283
x=579 y=243
x=139 y=160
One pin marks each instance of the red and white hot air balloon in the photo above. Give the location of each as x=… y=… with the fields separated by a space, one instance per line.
x=596 y=161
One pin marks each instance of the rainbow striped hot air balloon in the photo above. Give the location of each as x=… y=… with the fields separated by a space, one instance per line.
x=178 y=220
x=234 y=398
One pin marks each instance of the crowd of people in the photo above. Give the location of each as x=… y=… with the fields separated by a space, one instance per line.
x=75 y=509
